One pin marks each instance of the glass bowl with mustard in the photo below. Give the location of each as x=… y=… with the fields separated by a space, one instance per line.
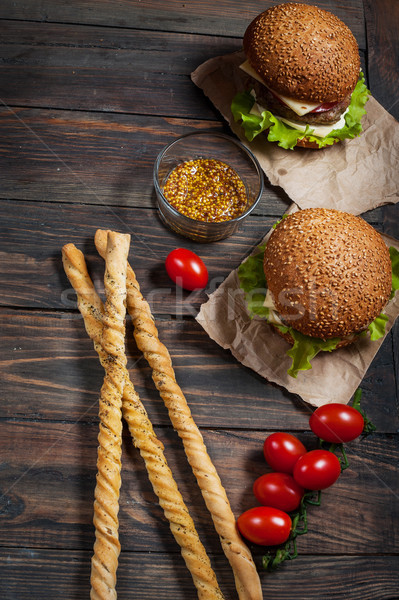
x=206 y=184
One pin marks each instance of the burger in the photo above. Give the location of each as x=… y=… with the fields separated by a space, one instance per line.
x=302 y=78
x=322 y=281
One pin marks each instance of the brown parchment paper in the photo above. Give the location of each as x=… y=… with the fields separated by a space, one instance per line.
x=334 y=376
x=354 y=175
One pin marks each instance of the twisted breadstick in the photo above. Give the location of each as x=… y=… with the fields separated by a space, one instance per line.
x=146 y=336
x=104 y=562
x=144 y=437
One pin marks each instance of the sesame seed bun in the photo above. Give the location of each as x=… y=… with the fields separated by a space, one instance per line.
x=328 y=271
x=303 y=52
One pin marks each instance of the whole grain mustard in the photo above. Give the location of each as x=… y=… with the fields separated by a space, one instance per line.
x=206 y=189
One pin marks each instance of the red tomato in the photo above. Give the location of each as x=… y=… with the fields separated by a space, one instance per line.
x=282 y=450
x=186 y=269
x=279 y=490
x=317 y=470
x=324 y=107
x=336 y=423
x=265 y=526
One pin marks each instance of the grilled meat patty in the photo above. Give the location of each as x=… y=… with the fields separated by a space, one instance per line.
x=269 y=101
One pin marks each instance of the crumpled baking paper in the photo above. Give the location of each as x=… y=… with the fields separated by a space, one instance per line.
x=354 y=175
x=334 y=376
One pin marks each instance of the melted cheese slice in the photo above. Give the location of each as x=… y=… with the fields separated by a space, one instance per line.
x=273 y=314
x=268 y=301
x=300 y=108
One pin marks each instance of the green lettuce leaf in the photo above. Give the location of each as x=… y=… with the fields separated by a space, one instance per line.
x=305 y=348
x=253 y=125
x=253 y=282
x=377 y=327
x=394 y=255
x=287 y=136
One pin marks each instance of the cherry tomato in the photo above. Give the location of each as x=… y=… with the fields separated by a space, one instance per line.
x=279 y=490
x=186 y=269
x=265 y=526
x=317 y=470
x=282 y=450
x=336 y=423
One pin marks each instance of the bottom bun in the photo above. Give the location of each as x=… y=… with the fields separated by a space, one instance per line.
x=342 y=344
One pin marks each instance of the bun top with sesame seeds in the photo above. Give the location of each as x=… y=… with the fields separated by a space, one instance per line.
x=303 y=52
x=329 y=272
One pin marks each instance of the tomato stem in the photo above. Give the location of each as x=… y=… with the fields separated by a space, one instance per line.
x=310 y=500
x=332 y=448
x=369 y=427
x=289 y=551
x=344 y=462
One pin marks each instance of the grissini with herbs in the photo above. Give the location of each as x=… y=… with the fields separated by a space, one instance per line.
x=143 y=435
x=104 y=562
x=304 y=86
x=322 y=280
x=146 y=335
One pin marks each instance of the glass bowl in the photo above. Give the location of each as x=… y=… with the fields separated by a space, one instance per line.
x=207 y=145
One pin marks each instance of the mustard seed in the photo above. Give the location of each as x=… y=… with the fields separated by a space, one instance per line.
x=206 y=190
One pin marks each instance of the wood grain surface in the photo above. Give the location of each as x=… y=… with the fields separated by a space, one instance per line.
x=90 y=92
x=226 y=18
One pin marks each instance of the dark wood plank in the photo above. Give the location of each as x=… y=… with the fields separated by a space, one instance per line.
x=383 y=52
x=50 y=372
x=199 y=16
x=63 y=173
x=93 y=158
x=34 y=247
x=63 y=360
x=144 y=575
x=391 y=220
x=48 y=488
x=163 y=576
x=83 y=68
x=67 y=363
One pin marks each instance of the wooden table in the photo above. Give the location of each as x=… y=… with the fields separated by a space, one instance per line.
x=90 y=93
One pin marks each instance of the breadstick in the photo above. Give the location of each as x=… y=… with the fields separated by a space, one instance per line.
x=106 y=504
x=104 y=562
x=144 y=438
x=146 y=335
